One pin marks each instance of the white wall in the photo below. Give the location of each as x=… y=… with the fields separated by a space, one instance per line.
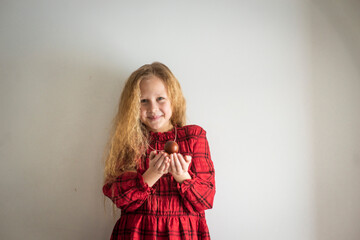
x=274 y=83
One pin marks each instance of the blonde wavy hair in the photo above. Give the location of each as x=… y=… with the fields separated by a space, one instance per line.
x=128 y=136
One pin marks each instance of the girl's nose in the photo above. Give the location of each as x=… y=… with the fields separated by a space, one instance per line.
x=153 y=106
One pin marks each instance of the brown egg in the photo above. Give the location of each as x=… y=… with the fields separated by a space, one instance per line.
x=171 y=147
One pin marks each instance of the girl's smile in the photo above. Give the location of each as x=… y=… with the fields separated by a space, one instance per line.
x=154 y=117
x=155 y=106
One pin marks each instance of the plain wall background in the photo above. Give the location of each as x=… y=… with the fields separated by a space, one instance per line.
x=276 y=84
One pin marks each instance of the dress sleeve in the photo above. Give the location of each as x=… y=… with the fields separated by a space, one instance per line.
x=198 y=192
x=129 y=191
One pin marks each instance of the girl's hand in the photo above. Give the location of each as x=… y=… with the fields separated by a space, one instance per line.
x=179 y=167
x=159 y=164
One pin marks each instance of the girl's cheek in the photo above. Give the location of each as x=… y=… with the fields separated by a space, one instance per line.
x=142 y=117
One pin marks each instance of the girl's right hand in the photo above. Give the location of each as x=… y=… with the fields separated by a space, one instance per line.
x=159 y=162
x=159 y=165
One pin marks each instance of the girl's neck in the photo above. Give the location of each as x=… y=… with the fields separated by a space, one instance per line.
x=170 y=127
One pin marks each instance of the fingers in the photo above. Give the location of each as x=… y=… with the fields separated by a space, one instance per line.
x=184 y=161
x=172 y=163
x=163 y=162
x=159 y=160
x=165 y=165
x=178 y=164
x=152 y=154
x=156 y=157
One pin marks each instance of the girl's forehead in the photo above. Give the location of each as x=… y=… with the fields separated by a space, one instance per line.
x=152 y=85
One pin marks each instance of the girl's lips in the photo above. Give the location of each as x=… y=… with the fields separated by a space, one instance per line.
x=154 y=117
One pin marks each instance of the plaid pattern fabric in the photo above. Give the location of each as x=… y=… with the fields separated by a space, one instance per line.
x=168 y=210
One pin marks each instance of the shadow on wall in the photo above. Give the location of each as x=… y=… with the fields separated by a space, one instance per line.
x=336 y=94
x=59 y=111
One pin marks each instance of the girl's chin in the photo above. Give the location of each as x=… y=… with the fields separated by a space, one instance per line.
x=154 y=128
x=157 y=129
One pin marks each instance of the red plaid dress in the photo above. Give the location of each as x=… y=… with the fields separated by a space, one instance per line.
x=167 y=210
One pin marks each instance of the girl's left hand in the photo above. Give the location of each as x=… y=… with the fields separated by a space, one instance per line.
x=179 y=167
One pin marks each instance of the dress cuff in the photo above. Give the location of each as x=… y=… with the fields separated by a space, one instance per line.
x=187 y=184
x=143 y=185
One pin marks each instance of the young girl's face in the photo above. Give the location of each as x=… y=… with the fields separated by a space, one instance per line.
x=155 y=105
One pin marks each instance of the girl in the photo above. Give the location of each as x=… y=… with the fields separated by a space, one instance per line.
x=161 y=196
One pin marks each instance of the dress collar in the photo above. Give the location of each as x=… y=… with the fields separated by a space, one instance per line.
x=162 y=136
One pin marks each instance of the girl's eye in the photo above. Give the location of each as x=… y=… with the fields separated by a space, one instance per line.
x=143 y=100
x=160 y=98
